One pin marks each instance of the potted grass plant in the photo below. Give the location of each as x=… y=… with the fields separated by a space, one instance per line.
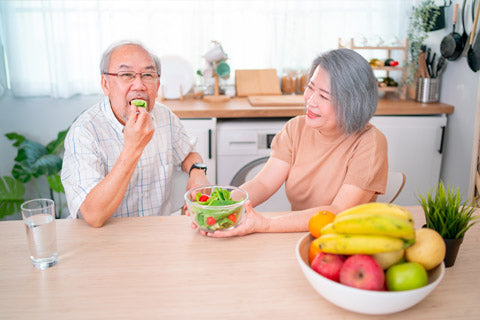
x=449 y=216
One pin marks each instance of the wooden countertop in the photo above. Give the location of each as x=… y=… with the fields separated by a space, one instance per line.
x=241 y=108
x=159 y=268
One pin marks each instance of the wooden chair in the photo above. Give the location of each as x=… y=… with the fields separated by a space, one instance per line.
x=395 y=183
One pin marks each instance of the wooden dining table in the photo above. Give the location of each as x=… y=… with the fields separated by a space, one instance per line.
x=159 y=268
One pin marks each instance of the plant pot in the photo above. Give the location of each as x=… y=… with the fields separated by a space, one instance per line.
x=439 y=22
x=452 y=250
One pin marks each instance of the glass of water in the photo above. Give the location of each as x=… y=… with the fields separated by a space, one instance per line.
x=39 y=218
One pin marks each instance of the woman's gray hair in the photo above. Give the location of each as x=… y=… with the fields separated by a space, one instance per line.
x=353 y=91
x=105 y=61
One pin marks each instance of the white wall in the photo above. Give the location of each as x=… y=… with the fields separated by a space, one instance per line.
x=459 y=88
x=38 y=119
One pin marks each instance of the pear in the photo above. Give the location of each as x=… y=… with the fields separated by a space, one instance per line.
x=428 y=250
x=388 y=259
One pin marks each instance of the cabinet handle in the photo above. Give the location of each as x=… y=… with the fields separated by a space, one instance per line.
x=441 y=140
x=209 y=143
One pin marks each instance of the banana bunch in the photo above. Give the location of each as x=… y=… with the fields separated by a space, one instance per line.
x=368 y=229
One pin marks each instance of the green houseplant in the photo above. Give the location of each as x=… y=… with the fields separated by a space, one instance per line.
x=33 y=161
x=449 y=216
x=422 y=21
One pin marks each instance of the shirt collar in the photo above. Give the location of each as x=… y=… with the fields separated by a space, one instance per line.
x=107 y=109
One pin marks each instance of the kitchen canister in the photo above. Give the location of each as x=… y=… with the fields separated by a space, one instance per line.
x=428 y=90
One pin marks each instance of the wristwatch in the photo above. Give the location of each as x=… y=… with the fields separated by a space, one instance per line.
x=198 y=165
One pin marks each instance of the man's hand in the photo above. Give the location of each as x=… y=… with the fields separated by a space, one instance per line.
x=197 y=179
x=138 y=129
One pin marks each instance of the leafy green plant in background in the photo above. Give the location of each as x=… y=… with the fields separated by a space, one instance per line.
x=445 y=212
x=33 y=161
x=422 y=21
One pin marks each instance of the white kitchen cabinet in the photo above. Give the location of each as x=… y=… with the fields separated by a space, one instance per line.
x=203 y=131
x=414 y=148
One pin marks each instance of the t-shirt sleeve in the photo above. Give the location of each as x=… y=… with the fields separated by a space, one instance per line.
x=82 y=168
x=282 y=143
x=368 y=166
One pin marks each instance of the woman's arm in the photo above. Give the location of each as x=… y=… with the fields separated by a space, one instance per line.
x=267 y=181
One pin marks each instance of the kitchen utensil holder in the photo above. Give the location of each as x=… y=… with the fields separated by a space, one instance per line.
x=428 y=90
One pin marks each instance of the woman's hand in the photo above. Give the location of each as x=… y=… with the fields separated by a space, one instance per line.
x=252 y=222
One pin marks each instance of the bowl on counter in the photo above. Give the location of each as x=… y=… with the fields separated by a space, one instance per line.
x=216 y=207
x=364 y=301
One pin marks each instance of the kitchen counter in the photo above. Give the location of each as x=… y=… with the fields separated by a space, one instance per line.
x=159 y=268
x=241 y=108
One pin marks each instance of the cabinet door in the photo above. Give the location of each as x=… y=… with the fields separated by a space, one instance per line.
x=414 y=148
x=203 y=132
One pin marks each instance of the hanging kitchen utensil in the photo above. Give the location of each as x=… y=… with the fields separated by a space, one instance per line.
x=464 y=37
x=467 y=20
x=473 y=9
x=473 y=56
x=451 y=45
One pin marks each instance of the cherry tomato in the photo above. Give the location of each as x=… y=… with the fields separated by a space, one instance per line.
x=233 y=218
x=204 y=198
x=211 y=221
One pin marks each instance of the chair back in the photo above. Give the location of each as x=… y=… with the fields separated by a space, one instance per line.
x=395 y=183
x=178 y=186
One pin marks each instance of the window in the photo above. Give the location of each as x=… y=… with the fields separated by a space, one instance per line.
x=53 y=47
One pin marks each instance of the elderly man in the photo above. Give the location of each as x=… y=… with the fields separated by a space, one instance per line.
x=119 y=158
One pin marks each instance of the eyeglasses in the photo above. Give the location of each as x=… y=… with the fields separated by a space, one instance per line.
x=130 y=76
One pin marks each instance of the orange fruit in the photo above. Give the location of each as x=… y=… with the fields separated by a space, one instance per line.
x=312 y=252
x=318 y=221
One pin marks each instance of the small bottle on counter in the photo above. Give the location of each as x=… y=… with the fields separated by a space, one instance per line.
x=302 y=81
x=289 y=82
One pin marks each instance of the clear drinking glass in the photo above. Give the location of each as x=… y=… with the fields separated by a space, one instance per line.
x=39 y=218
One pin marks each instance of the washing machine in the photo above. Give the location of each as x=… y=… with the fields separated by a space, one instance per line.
x=243 y=148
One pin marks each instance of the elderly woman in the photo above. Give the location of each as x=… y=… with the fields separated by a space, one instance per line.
x=331 y=158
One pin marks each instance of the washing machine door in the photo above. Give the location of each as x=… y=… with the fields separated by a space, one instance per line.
x=277 y=202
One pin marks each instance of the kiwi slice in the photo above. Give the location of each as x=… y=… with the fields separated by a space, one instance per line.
x=139 y=103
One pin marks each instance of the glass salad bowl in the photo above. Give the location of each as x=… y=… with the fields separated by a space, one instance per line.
x=216 y=207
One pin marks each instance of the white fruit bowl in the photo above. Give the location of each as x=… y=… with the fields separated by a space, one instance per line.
x=364 y=301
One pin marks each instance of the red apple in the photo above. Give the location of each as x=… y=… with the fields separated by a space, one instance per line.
x=362 y=272
x=328 y=265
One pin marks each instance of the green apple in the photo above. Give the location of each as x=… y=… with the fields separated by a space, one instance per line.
x=406 y=276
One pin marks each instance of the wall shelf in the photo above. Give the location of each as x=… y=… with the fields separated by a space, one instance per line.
x=400 y=90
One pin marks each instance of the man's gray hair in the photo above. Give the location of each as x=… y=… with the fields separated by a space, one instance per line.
x=105 y=61
x=354 y=90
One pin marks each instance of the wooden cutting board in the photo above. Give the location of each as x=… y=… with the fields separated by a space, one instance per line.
x=257 y=82
x=277 y=101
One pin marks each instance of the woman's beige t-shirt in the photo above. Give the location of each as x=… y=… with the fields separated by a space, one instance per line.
x=320 y=166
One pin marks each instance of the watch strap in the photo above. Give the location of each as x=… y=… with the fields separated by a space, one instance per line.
x=200 y=166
